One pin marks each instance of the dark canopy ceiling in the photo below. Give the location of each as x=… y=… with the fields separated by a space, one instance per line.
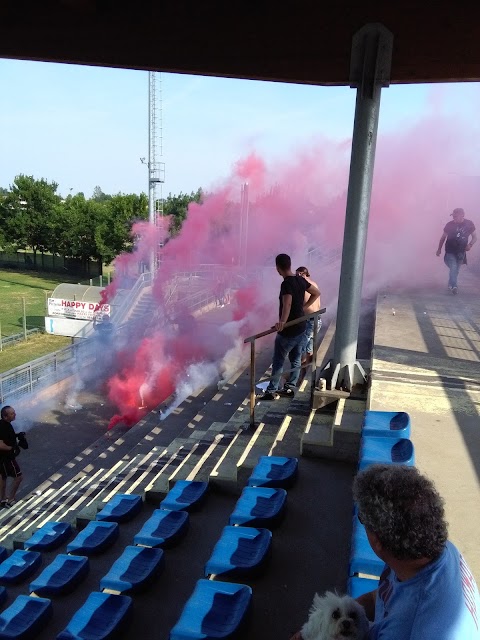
x=304 y=41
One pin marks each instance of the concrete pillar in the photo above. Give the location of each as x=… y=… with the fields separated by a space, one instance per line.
x=369 y=72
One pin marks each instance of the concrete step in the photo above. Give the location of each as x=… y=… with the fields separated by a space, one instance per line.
x=82 y=489
x=135 y=476
x=335 y=437
x=150 y=432
x=206 y=454
x=104 y=452
x=51 y=506
x=203 y=450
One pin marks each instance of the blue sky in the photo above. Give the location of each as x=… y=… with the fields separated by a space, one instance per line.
x=87 y=126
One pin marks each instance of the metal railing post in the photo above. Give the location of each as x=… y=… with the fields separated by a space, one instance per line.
x=31 y=377
x=252 y=384
x=314 y=360
x=291 y=323
x=24 y=318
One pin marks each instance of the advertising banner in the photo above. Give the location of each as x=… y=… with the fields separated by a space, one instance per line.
x=76 y=309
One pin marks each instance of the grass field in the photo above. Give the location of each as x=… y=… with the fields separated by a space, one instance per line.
x=34 y=287
x=36 y=346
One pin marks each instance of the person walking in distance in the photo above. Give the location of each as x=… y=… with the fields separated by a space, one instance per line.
x=307 y=348
x=9 y=449
x=289 y=341
x=456 y=233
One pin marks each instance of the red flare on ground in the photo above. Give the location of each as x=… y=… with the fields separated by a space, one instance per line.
x=144 y=382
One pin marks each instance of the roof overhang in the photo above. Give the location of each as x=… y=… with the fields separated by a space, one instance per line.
x=302 y=42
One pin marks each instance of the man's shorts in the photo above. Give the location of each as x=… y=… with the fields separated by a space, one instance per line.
x=10 y=469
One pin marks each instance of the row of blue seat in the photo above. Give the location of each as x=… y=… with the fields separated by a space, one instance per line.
x=139 y=564
x=103 y=614
x=218 y=609
x=385 y=439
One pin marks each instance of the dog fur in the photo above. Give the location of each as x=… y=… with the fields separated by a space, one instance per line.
x=334 y=617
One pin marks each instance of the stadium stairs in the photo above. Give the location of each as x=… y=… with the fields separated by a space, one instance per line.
x=214 y=445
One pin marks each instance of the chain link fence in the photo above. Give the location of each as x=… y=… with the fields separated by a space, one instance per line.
x=22 y=380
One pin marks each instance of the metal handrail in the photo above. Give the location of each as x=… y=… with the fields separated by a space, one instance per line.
x=291 y=323
x=143 y=280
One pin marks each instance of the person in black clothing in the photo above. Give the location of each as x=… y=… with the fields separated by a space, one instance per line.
x=8 y=451
x=456 y=233
x=103 y=329
x=289 y=341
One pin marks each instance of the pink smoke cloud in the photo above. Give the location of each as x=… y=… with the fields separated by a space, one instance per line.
x=296 y=206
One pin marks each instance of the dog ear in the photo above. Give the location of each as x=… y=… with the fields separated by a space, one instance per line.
x=314 y=628
x=317 y=601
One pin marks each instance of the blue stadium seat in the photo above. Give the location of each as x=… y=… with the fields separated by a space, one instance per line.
x=61 y=576
x=102 y=616
x=185 y=495
x=274 y=471
x=214 y=610
x=259 y=506
x=49 y=537
x=3 y=554
x=121 y=508
x=163 y=529
x=19 y=566
x=386 y=423
x=95 y=538
x=358 y=586
x=136 y=568
x=386 y=451
x=25 y=618
x=240 y=551
x=363 y=559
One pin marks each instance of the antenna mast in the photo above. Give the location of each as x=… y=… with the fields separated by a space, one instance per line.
x=156 y=169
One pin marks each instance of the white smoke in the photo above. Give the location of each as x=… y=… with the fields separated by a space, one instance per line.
x=197 y=376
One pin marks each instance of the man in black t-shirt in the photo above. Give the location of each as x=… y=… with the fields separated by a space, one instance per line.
x=8 y=451
x=456 y=233
x=289 y=341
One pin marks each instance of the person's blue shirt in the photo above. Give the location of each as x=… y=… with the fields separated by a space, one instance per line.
x=441 y=602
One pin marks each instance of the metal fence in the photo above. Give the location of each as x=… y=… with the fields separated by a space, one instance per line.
x=26 y=260
x=16 y=337
x=24 y=379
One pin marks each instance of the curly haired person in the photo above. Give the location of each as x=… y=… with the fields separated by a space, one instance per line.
x=426 y=590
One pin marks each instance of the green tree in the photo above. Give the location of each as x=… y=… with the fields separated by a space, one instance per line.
x=177 y=208
x=29 y=212
x=99 y=196
x=113 y=232
x=83 y=218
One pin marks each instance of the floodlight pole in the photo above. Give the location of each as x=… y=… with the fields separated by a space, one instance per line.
x=156 y=169
x=369 y=71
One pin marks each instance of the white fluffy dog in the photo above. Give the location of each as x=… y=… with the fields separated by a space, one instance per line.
x=334 y=617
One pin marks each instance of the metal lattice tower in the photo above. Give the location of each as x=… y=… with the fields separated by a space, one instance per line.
x=156 y=169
